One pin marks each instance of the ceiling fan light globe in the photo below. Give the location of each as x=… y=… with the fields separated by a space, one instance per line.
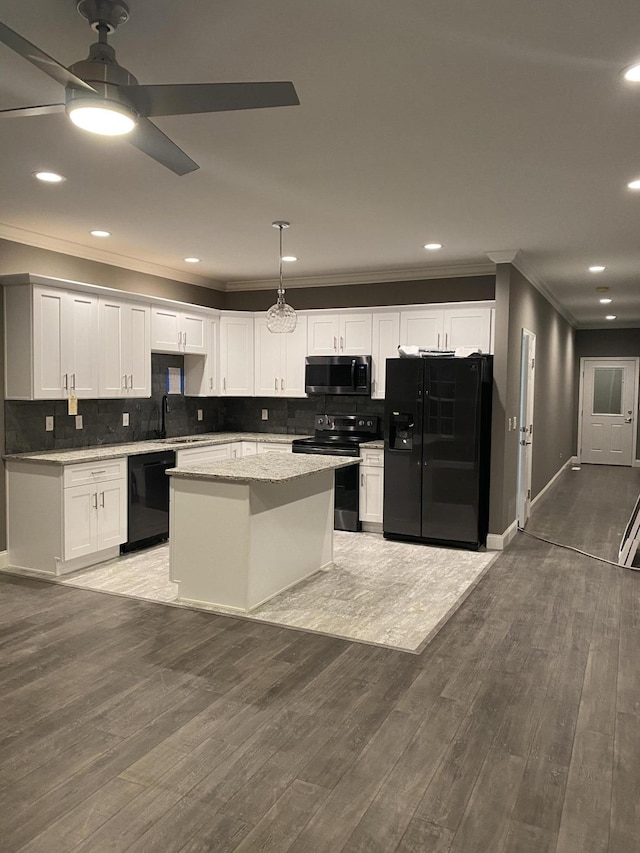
x=104 y=119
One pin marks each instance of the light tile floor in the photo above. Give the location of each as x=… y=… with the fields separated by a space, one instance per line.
x=392 y=594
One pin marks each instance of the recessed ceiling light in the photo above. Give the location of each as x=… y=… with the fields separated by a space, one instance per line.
x=432 y=247
x=101 y=233
x=192 y=260
x=610 y=317
x=597 y=268
x=632 y=74
x=289 y=259
x=606 y=301
x=634 y=185
x=49 y=177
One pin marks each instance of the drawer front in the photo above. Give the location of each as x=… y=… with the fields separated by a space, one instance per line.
x=274 y=447
x=94 y=472
x=372 y=457
x=203 y=454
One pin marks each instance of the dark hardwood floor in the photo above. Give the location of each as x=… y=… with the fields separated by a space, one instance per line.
x=127 y=725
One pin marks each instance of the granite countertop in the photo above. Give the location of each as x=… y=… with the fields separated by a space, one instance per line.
x=112 y=451
x=378 y=444
x=264 y=467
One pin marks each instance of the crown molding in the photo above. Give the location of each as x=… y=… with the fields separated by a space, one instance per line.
x=503 y=256
x=66 y=247
x=524 y=266
x=341 y=279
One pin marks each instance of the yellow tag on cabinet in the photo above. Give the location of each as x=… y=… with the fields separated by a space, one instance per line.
x=72 y=405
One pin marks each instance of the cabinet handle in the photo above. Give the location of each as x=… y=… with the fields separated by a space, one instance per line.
x=446 y=339
x=438 y=340
x=211 y=383
x=362 y=479
x=276 y=383
x=95 y=500
x=335 y=344
x=341 y=344
x=102 y=499
x=95 y=473
x=73 y=382
x=224 y=383
x=282 y=384
x=179 y=338
x=65 y=381
x=184 y=339
x=123 y=384
x=131 y=380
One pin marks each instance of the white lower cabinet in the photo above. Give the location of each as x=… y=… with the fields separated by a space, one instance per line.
x=95 y=518
x=371 y=488
x=190 y=455
x=274 y=446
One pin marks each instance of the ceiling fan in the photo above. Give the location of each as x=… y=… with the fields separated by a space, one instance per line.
x=103 y=97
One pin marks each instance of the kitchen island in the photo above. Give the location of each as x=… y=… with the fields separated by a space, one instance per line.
x=244 y=530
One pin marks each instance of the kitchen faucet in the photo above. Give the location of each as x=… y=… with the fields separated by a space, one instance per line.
x=164 y=408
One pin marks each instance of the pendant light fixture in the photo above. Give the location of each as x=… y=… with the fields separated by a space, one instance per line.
x=281 y=317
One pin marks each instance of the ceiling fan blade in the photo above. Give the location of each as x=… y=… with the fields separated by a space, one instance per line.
x=149 y=139
x=40 y=59
x=187 y=98
x=34 y=111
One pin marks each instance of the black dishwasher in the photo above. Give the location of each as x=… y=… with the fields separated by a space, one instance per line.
x=148 y=503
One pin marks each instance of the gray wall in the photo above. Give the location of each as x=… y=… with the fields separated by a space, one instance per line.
x=519 y=305
x=469 y=289
x=605 y=343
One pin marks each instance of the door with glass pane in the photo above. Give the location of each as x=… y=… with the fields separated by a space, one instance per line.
x=609 y=405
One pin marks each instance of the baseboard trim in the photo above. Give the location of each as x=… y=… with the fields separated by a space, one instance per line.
x=499 y=541
x=568 y=464
x=4 y=559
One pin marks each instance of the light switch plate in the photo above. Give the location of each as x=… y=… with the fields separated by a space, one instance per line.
x=78 y=421
x=48 y=423
x=200 y=414
x=265 y=414
x=125 y=419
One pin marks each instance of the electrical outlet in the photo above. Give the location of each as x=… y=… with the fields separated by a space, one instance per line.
x=125 y=419
x=200 y=414
x=78 y=421
x=265 y=414
x=48 y=423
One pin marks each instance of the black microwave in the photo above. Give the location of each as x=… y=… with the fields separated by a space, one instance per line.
x=338 y=374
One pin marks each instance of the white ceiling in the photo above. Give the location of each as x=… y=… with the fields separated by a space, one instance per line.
x=494 y=125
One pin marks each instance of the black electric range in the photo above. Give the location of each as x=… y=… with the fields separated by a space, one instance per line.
x=342 y=435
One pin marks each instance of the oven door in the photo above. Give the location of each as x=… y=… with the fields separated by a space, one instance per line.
x=346 y=509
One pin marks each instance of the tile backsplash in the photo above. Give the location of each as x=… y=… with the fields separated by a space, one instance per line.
x=102 y=419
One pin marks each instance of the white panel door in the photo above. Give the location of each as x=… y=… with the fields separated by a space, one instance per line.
x=609 y=405
x=236 y=356
x=112 y=513
x=467 y=327
x=165 y=329
x=79 y=342
x=371 y=493
x=80 y=521
x=268 y=358
x=355 y=334
x=138 y=350
x=294 y=350
x=385 y=340
x=194 y=333
x=322 y=334
x=50 y=379
x=422 y=328
x=112 y=370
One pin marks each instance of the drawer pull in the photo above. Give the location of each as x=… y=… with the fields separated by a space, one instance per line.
x=95 y=473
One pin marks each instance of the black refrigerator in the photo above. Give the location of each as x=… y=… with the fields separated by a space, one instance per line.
x=437 y=449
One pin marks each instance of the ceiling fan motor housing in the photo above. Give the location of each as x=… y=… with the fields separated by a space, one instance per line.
x=102 y=71
x=108 y=13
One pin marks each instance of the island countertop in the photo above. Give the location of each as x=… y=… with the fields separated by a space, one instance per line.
x=263 y=467
x=99 y=453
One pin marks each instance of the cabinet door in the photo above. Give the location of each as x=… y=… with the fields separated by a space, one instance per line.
x=79 y=343
x=236 y=356
x=50 y=376
x=201 y=374
x=322 y=335
x=386 y=337
x=165 y=329
x=355 y=334
x=294 y=349
x=249 y=448
x=194 y=333
x=112 y=370
x=190 y=455
x=138 y=350
x=422 y=328
x=112 y=513
x=236 y=449
x=268 y=348
x=371 y=492
x=467 y=327
x=80 y=521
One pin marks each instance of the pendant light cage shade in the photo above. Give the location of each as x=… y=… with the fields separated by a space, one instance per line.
x=281 y=318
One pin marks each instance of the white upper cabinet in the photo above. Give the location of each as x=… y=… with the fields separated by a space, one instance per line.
x=447 y=328
x=386 y=337
x=201 y=377
x=51 y=348
x=236 y=354
x=279 y=360
x=125 y=348
x=178 y=330
x=340 y=333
